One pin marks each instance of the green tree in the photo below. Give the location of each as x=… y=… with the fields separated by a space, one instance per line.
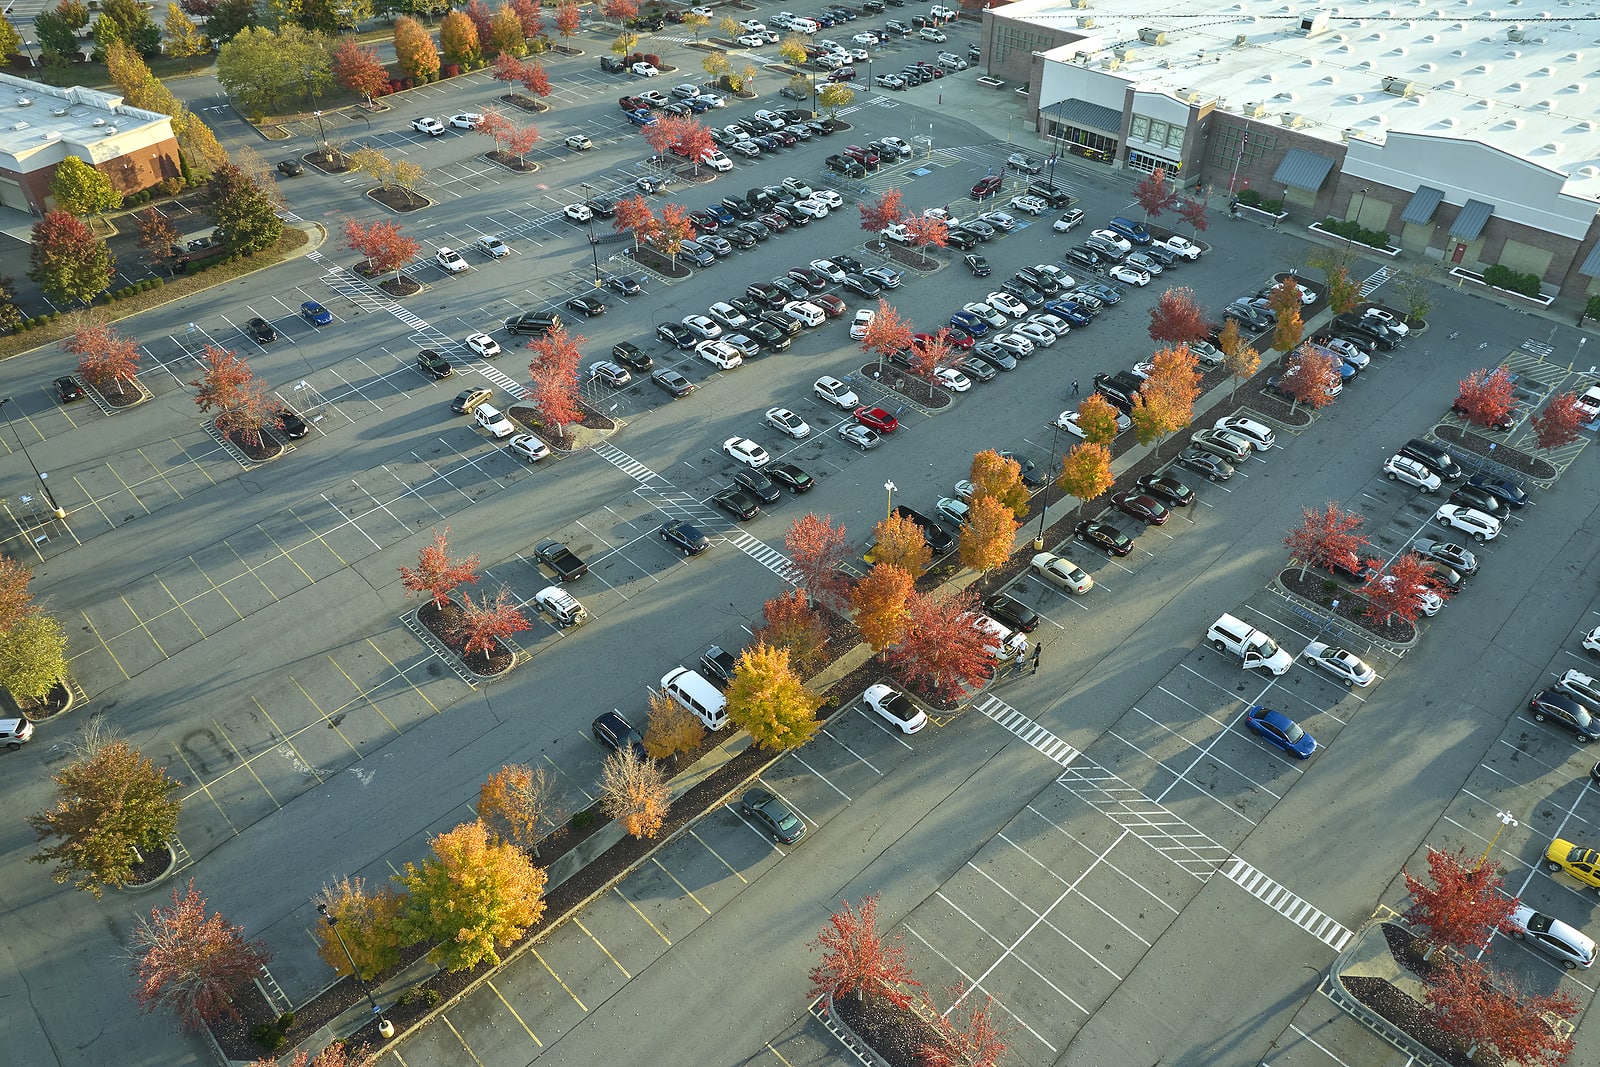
x=69 y=262
x=415 y=54
x=127 y=21
x=112 y=805
x=10 y=312
x=458 y=40
x=505 y=33
x=266 y=71
x=33 y=656
x=768 y=699
x=475 y=895
x=10 y=39
x=198 y=147
x=246 y=222
x=83 y=190
x=229 y=18
x=183 y=37
x=58 y=28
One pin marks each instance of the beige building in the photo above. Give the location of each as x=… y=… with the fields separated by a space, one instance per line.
x=40 y=125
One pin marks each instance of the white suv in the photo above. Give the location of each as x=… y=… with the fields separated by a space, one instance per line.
x=1482 y=527
x=1405 y=469
x=836 y=393
x=450 y=260
x=1031 y=204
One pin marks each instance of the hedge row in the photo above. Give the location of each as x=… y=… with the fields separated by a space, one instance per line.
x=1351 y=230
x=1251 y=198
x=1515 y=281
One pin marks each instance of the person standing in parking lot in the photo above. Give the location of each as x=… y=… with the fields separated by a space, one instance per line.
x=1037 y=649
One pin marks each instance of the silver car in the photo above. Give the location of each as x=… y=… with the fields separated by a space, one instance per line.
x=1570 y=946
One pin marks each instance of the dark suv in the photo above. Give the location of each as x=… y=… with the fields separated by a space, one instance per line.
x=938 y=538
x=433 y=364
x=533 y=322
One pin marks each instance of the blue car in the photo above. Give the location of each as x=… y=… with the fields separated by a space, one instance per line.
x=315 y=313
x=696 y=104
x=1133 y=231
x=724 y=216
x=1074 y=312
x=1280 y=731
x=641 y=118
x=1509 y=492
x=966 y=320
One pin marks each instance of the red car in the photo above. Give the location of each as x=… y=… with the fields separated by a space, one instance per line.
x=961 y=341
x=987 y=187
x=1140 y=506
x=877 y=419
x=865 y=156
x=831 y=305
x=633 y=103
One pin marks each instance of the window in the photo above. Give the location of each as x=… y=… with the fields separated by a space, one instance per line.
x=1010 y=38
x=1139 y=128
x=1229 y=147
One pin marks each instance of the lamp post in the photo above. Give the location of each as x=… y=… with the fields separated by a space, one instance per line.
x=322 y=133
x=44 y=485
x=28 y=46
x=1362 y=205
x=594 y=242
x=1055 y=440
x=1506 y=819
x=890 y=486
x=385 y=1027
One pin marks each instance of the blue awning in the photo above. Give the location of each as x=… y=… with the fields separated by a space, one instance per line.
x=1591 y=263
x=1303 y=170
x=1083 y=113
x=1470 y=222
x=1424 y=202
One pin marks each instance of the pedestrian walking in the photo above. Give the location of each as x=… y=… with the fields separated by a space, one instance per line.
x=1074 y=387
x=1038 y=648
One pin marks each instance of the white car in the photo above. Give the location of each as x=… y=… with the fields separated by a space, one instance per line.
x=747 y=149
x=1207 y=353
x=719 y=354
x=702 y=327
x=529 y=447
x=712 y=99
x=493 y=247
x=1030 y=204
x=1042 y=336
x=450 y=260
x=813 y=208
x=579 y=142
x=686 y=90
x=431 y=127
x=1006 y=303
x=895 y=708
x=1458 y=517
x=827 y=198
x=1062 y=572
x=788 y=422
x=898 y=144
x=1405 y=469
x=467 y=120
x=1132 y=275
x=1259 y=434
x=863 y=319
x=834 y=272
x=645 y=70
x=1068 y=421
x=772 y=118
x=1112 y=237
x=988 y=314
x=1069 y=221
x=1054 y=323
x=868 y=39
x=578 y=212
x=1570 y=946
x=1430 y=602
x=953 y=379
x=613 y=375
x=1591 y=642
x=1056 y=274
x=836 y=393
x=483 y=345
x=999 y=220
x=491 y=419
x=1390 y=321
x=799 y=188
x=1016 y=344
x=727 y=315
x=743 y=450
x=750 y=40
x=1345 y=666
x=752 y=26
x=897 y=233
x=1347 y=352
x=928 y=33
x=1180 y=246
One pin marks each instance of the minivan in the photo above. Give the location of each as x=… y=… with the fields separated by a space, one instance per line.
x=1435 y=457
x=703 y=700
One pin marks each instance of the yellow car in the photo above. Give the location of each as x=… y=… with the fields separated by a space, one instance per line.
x=1582 y=863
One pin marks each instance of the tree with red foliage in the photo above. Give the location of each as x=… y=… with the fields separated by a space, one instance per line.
x=436 y=573
x=686 y=137
x=535 y=78
x=68 y=261
x=927 y=231
x=883 y=212
x=508 y=68
x=567 y=18
x=659 y=135
x=1177 y=317
x=382 y=244
x=231 y=387
x=935 y=352
x=857 y=959
x=634 y=215
x=522 y=140
x=482 y=20
x=1326 y=536
x=620 y=10
x=968 y=1035
x=554 y=372
x=1487 y=1009
x=1394 y=593
x=1486 y=397
x=1463 y=905
x=104 y=358
x=941 y=652
x=1308 y=377
x=190 y=964
x=1558 y=423
x=530 y=16
x=1154 y=195
x=887 y=333
x=337 y=1054
x=817 y=556
x=494 y=124
x=673 y=229
x=792 y=624
x=486 y=624
x=878 y=604
x=156 y=236
x=359 y=69
x=14 y=595
x=1193 y=211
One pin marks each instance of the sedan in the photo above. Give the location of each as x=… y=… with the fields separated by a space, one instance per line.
x=261 y=330
x=1105 y=537
x=790 y=477
x=1508 y=492
x=292 y=425
x=315 y=313
x=952 y=379
x=1345 y=666
x=745 y=451
x=468 y=399
x=877 y=419
x=290 y=168
x=676 y=334
x=895 y=708
x=1140 y=506
x=774 y=817
x=1006 y=303
x=977 y=265
x=1062 y=572
x=702 y=327
x=975 y=368
x=814 y=280
x=863 y=437
x=1011 y=611
x=588 y=306
x=862 y=285
x=1112 y=237
x=1581 y=863
x=1213 y=467
x=738 y=503
x=1280 y=731
x=674 y=383
x=788 y=422
x=996 y=357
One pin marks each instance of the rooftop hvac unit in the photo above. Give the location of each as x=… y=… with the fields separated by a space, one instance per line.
x=99 y=122
x=1397 y=87
x=50 y=135
x=1125 y=53
x=1313 y=23
x=1085 y=22
x=1150 y=36
x=1292 y=120
x=1515 y=34
x=1080 y=4
x=1240 y=41
x=1255 y=111
x=1111 y=63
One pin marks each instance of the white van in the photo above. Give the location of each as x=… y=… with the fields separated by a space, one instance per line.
x=803 y=26
x=704 y=700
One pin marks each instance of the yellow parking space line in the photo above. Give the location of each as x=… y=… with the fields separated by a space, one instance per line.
x=194 y=462
x=402 y=674
x=465 y=1047
x=179 y=605
x=250 y=568
x=324 y=715
x=159 y=473
x=641 y=915
x=96 y=631
x=284 y=552
x=781 y=1059
x=248 y=764
x=525 y=1027
x=204 y=787
x=686 y=890
x=317 y=537
x=143 y=627
x=126 y=488
x=265 y=714
x=579 y=924
x=215 y=588
x=559 y=982
x=731 y=868
x=363 y=695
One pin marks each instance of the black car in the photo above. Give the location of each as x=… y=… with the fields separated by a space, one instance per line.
x=629 y=355
x=1084 y=257
x=68 y=389
x=814 y=280
x=938 y=538
x=1554 y=704
x=975 y=368
x=1039 y=280
x=1352 y=570
x=766 y=335
x=782 y=322
x=791 y=288
x=718 y=665
x=766 y=294
x=740 y=238
x=290 y=168
x=757 y=230
x=789 y=476
x=624 y=284
x=673 y=382
x=1472 y=496
x=433 y=365
x=977 y=265
x=995 y=356
x=684 y=536
x=533 y=322
x=959 y=238
x=615 y=734
x=1107 y=538
x=740 y=208
x=1357 y=328
x=757 y=484
x=676 y=333
x=261 y=330
x=1011 y=611
x=292 y=425
x=561 y=559
x=772 y=815
x=604 y=207
x=738 y=503
x=862 y=285
x=588 y=305
x=1022 y=291
x=1166 y=488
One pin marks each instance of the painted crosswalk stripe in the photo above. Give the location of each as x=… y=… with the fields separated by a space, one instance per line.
x=764 y=554
x=1149 y=821
x=1027 y=730
x=1328 y=930
x=1375 y=279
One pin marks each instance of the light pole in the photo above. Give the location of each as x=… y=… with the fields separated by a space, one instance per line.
x=890 y=486
x=1362 y=205
x=1055 y=440
x=1506 y=819
x=44 y=486
x=322 y=133
x=385 y=1027
x=28 y=45
x=594 y=242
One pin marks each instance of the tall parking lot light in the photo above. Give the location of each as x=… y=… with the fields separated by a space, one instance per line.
x=594 y=242
x=385 y=1027
x=891 y=487
x=44 y=485
x=1055 y=439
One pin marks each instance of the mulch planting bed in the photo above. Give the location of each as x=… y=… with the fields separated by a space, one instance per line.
x=509 y=161
x=897 y=1035
x=1320 y=589
x=1465 y=440
x=525 y=102
x=660 y=263
x=399 y=199
x=1406 y=1014
x=915 y=389
x=442 y=622
x=260 y=449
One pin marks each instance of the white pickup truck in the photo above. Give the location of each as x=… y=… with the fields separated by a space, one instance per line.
x=1255 y=648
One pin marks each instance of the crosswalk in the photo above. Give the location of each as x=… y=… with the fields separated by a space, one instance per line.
x=1375 y=279
x=1146 y=819
x=1027 y=730
x=764 y=554
x=1329 y=931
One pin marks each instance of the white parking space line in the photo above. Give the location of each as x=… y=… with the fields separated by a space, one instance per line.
x=827 y=733
x=1084 y=897
x=824 y=779
x=1298 y=911
x=1227 y=728
x=1052 y=926
x=977 y=980
x=966 y=978
x=1146 y=819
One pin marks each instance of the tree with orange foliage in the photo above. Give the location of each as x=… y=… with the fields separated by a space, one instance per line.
x=554 y=372
x=674 y=229
x=879 y=603
x=475 y=895
x=927 y=231
x=817 y=556
x=366 y=921
x=671 y=727
x=634 y=216
x=486 y=624
x=337 y=1054
x=988 y=535
x=1486 y=397
x=519 y=804
x=359 y=69
x=634 y=793
x=1308 y=377
x=934 y=352
x=902 y=543
x=857 y=959
x=1000 y=476
x=1465 y=903
x=240 y=398
x=620 y=10
x=883 y=212
x=941 y=652
x=1327 y=536
x=381 y=244
x=1165 y=403
x=1486 y=1008
x=887 y=333
x=436 y=574
x=1289 y=331
x=14 y=594
x=1558 y=423
x=1177 y=317
x=767 y=699
x=535 y=79
x=104 y=359
x=792 y=624
x=1086 y=471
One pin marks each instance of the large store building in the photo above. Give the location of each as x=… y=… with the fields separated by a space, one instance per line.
x=40 y=125
x=1466 y=129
